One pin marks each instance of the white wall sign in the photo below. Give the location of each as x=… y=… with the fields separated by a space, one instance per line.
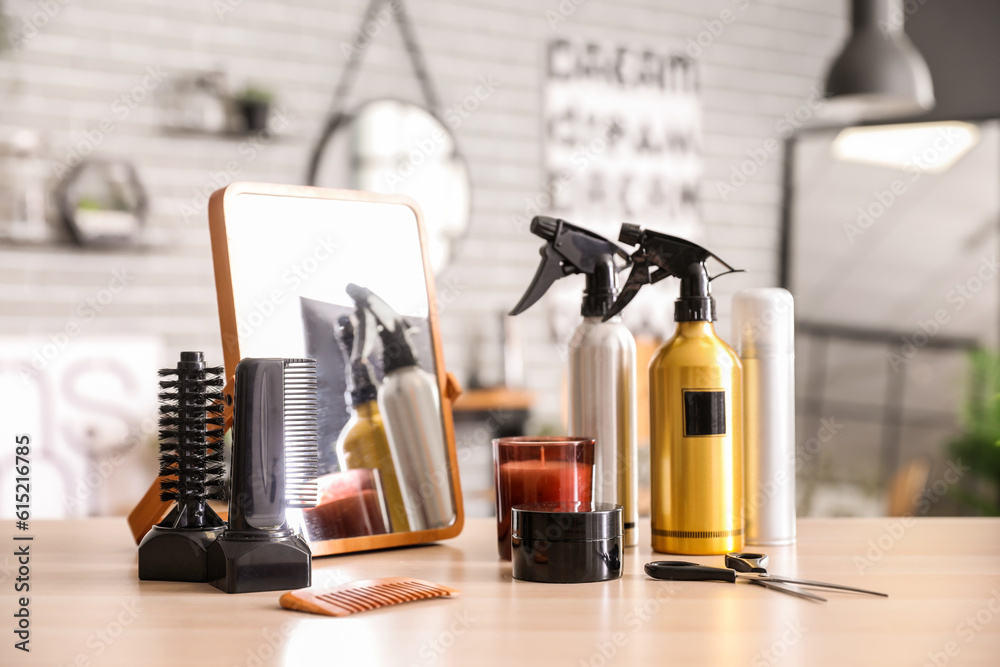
x=622 y=139
x=622 y=136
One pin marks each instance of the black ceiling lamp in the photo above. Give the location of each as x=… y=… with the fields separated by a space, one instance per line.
x=880 y=74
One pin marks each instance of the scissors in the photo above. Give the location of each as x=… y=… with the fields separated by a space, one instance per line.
x=745 y=561
x=743 y=567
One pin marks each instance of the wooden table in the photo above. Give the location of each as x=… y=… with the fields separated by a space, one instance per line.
x=942 y=575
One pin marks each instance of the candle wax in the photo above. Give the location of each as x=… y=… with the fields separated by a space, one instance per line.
x=538 y=481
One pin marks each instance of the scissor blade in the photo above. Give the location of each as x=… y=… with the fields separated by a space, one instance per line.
x=805 y=595
x=819 y=584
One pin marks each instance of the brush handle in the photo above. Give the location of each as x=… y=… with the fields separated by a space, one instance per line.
x=257 y=500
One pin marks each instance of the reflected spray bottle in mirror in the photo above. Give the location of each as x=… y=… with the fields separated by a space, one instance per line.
x=602 y=376
x=696 y=405
x=363 y=442
x=411 y=412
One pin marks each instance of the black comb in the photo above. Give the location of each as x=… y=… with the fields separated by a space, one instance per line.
x=273 y=470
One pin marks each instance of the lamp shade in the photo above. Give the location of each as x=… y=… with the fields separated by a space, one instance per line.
x=880 y=73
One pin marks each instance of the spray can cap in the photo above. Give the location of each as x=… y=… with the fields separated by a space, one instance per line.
x=764 y=322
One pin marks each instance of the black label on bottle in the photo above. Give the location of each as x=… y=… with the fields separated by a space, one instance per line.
x=704 y=412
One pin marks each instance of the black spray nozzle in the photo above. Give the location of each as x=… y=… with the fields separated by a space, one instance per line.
x=393 y=329
x=356 y=346
x=660 y=256
x=630 y=234
x=570 y=250
x=545 y=227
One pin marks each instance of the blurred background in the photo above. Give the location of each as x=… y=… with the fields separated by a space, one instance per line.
x=848 y=151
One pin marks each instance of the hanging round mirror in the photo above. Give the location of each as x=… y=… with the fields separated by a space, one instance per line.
x=396 y=147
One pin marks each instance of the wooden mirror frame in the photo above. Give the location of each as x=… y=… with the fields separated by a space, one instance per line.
x=150 y=509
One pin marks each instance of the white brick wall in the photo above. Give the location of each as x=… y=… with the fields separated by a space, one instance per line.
x=66 y=78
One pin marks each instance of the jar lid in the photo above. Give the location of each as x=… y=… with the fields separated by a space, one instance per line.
x=566 y=521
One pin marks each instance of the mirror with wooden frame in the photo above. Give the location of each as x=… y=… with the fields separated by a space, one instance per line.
x=344 y=277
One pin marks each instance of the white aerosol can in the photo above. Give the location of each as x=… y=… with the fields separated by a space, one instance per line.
x=764 y=334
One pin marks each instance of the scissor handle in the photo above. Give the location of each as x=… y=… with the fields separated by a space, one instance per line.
x=679 y=570
x=745 y=561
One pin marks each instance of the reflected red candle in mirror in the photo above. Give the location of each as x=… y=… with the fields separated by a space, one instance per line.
x=351 y=504
x=538 y=470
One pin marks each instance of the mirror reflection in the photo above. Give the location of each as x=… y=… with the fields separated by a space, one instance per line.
x=343 y=282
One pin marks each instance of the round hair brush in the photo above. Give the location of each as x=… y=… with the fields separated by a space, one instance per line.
x=191 y=470
x=191 y=428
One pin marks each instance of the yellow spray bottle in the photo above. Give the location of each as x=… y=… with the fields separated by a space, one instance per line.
x=696 y=405
x=363 y=442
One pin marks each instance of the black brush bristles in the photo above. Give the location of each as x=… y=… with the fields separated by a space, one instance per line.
x=215 y=428
x=191 y=429
x=301 y=410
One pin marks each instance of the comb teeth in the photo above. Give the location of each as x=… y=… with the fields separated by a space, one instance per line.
x=301 y=410
x=364 y=595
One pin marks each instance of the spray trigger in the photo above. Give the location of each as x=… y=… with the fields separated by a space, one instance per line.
x=659 y=256
x=393 y=329
x=569 y=250
x=549 y=270
x=639 y=276
x=364 y=341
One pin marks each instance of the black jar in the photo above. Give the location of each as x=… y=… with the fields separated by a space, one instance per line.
x=566 y=543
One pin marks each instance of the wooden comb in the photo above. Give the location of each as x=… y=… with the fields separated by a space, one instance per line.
x=364 y=595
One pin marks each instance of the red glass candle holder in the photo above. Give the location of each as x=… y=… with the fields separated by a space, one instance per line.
x=539 y=470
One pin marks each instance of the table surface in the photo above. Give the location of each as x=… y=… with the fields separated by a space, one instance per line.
x=942 y=575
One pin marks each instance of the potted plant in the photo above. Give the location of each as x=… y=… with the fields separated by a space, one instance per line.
x=254 y=106
x=978 y=446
